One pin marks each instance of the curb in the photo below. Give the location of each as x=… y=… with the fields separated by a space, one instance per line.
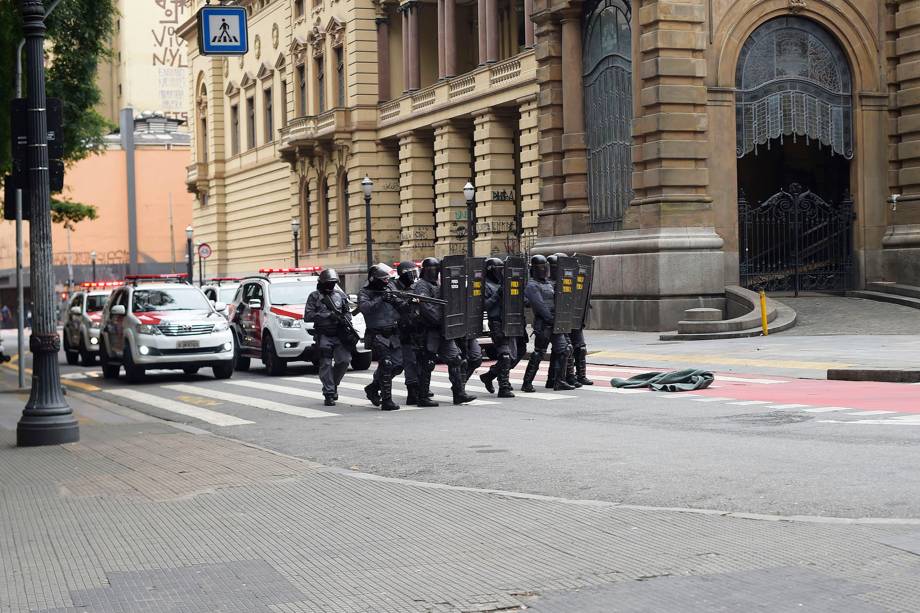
x=881 y=375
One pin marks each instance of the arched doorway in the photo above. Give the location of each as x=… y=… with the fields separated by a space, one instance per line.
x=794 y=119
x=607 y=78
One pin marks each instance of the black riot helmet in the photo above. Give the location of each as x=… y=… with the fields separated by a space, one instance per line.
x=408 y=272
x=378 y=276
x=328 y=279
x=494 y=268
x=552 y=261
x=538 y=267
x=431 y=268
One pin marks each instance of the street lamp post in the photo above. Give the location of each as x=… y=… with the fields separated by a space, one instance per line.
x=200 y=265
x=47 y=418
x=469 y=192
x=92 y=256
x=368 y=187
x=189 y=233
x=295 y=230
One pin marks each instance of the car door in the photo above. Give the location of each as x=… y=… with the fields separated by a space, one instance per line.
x=117 y=333
x=72 y=327
x=251 y=318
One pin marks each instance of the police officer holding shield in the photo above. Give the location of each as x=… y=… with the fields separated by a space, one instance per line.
x=327 y=307
x=410 y=333
x=381 y=309
x=540 y=294
x=505 y=346
x=577 y=336
x=436 y=344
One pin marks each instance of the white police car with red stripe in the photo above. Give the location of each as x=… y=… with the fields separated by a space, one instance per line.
x=84 y=321
x=267 y=320
x=162 y=322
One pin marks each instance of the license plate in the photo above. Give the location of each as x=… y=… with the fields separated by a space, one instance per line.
x=187 y=345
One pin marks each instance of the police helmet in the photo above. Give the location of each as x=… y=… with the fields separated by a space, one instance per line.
x=494 y=268
x=378 y=275
x=431 y=268
x=538 y=267
x=408 y=272
x=328 y=279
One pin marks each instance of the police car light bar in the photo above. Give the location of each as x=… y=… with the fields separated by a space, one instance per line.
x=282 y=271
x=219 y=280
x=101 y=284
x=173 y=277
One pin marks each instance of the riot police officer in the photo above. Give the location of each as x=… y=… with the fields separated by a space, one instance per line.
x=327 y=307
x=579 y=350
x=540 y=295
x=436 y=345
x=568 y=373
x=505 y=347
x=409 y=326
x=381 y=309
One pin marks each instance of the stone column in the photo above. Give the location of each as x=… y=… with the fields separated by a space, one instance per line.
x=383 y=59
x=441 y=40
x=452 y=165
x=575 y=163
x=529 y=170
x=528 y=23
x=491 y=30
x=549 y=104
x=482 y=22
x=494 y=150
x=414 y=79
x=379 y=161
x=416 y=195
x=450 y=38
x=404 y=12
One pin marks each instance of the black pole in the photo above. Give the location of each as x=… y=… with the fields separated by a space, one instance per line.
x=200 y=270
x=189 y=261
x=367 y=232
x=296 y=250
x=94 y=270
x=470 y=224
x=47 y=418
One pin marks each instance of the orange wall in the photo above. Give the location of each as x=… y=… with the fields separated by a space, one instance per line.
x=100 y=180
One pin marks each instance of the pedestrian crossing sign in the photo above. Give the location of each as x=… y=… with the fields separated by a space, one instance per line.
x=222 y=30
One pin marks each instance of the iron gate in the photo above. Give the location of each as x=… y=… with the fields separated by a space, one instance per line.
x=795 y=241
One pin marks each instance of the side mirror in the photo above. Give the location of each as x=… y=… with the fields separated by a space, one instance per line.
x=75 y=310
x=220 y=307
x=255 y=304
x=118 y=309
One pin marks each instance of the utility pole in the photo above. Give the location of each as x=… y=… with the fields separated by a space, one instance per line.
x=47 y=418
x=172 y=234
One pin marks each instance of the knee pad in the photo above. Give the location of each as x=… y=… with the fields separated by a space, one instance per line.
x=537 y=354
x=505 y=358
x=386 y=364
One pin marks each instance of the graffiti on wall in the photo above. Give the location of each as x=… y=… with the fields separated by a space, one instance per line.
x=169 y=56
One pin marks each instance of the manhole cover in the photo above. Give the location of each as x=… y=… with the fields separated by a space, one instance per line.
x=774 y=418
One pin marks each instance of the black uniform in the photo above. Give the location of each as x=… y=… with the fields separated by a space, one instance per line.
x=326 y=308
x=381 y=310
x=505 y=347
x=540 y=295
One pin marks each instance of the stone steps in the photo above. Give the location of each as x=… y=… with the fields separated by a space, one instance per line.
x=891 y=298
x=911 y=291
x=707 y=324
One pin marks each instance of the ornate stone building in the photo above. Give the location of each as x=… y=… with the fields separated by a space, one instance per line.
x=688 y=144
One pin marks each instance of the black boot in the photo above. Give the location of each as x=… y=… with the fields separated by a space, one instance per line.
x=424 y=380
x=504 y=384
x=581 y=366
x=330 y=400
x=386 y=395
x=411 y=394
x=487 y=378
x=532 y=365
x=457 y=378
x=570 y=372
x=372 y=391
x=560 y=384
x=551 y=373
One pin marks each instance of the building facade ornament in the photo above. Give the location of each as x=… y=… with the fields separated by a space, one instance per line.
x=797 y=6
x=275 y=36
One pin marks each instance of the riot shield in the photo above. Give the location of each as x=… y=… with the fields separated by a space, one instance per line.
x=475 y=290
x=564 y=300
x=513 y=322
x=453 y=290
x=583 y=282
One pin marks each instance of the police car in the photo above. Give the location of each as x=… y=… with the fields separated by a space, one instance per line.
x=221 y=289
x=267 y=320
x=83 y=321
x=160 y=321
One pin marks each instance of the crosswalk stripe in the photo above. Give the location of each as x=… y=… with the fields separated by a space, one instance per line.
x=674 y=396
x=871 y=412
x=182 y=408
x=438 y=384
x=537 y=395
x=602 y=371
x=299 y=392
x=711 y=399
x=745 y=403
x=827 y=409
x=250 y=401
x=397 y=393
x=788 y=406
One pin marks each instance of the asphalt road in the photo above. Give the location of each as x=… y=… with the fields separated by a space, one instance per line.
x=663 y=450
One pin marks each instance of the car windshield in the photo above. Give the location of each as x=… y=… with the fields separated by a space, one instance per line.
x=225 y=294
x=294 y=292
x=173 y=299
x=96 y=303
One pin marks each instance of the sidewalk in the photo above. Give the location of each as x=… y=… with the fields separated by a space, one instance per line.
x=142 y=516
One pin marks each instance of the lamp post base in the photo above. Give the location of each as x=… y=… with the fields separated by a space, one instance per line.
x=37 y=430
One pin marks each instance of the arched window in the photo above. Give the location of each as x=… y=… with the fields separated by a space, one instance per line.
x=202 y=105
x=344 y=212
x=323 y=211
x=607 y=77
x=305 y=214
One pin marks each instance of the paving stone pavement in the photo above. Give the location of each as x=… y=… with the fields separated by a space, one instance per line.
x=141 y=517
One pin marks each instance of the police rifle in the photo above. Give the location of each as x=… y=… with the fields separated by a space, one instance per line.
x=417 y=297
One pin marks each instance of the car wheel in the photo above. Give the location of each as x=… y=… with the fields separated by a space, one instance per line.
x=72 y=355
x=223 y=370
x=87 y=358
x=109 y=370
x=361 y=360
x=190 y=370
x=242 y=362
x=275 y=365
x=133 y=372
